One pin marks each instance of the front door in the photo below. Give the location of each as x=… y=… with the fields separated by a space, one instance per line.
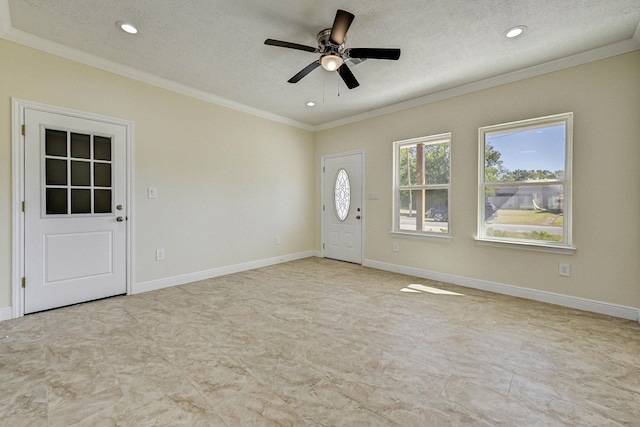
x=75 y=230
x=342 y=206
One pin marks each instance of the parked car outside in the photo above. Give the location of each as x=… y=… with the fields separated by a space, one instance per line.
x=438 y=213
x=441 y=213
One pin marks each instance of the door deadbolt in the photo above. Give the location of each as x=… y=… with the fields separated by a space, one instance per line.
x=119 y=207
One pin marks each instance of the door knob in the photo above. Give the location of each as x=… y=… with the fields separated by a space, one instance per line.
x=119 y=219
x=358 y=217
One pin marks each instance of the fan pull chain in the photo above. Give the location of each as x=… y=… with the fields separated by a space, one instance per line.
x=324 y=84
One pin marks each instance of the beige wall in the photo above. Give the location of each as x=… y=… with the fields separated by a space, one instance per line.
x=605 y=99
x=228 y=182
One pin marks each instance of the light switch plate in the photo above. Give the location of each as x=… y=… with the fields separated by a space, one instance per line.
x=153 y=192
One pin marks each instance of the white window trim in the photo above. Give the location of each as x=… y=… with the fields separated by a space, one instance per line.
x=395 y=226
x=563 y=248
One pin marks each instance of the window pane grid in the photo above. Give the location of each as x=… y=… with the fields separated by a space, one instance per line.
x=75 y=181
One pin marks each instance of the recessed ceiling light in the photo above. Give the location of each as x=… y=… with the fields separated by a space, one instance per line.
x=127 y=27
x=515 y=31
x=311 y=104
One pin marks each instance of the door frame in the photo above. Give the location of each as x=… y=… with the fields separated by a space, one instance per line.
x=323 y=211
x=18 y=191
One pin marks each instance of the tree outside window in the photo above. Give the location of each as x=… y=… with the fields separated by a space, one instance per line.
x=422 y=177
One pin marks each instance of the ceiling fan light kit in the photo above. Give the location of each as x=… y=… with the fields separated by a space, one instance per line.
x=331 y=62
x=333 y=53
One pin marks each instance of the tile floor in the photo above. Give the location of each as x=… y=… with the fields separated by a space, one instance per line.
x=318 y=343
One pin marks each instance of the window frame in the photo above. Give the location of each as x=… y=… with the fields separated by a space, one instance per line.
x=397 y=188
x=564 y=247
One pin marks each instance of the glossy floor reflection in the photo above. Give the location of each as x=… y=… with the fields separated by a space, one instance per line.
x=318 y=343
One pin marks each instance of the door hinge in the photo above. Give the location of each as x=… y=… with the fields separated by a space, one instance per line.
x=322 y=245
x=322 y=208
x=322 y=167
x=24 y=282
x=23 y=206
x=24 y=130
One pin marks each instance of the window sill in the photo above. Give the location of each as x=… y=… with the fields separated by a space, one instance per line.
x=564 y=250
x=434 y=236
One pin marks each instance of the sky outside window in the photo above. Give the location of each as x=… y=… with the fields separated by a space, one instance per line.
x=532 y=149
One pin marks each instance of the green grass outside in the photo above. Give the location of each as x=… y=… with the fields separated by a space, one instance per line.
x=534 y=235
x=516 y=216
x=522 y=217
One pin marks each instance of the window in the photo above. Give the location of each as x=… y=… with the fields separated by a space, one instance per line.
x=77 y=178
x=421 y=185
x=525 y=182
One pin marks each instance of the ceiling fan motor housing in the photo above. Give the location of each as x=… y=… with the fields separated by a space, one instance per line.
x=325 y=45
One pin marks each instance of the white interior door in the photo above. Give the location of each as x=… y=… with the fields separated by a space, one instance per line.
x=342 y=207
x=75 y=214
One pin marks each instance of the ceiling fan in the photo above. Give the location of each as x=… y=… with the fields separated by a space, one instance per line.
x=333 y=53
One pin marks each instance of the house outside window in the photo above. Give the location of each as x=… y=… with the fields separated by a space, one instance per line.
x=525 y=182
x=422 y=185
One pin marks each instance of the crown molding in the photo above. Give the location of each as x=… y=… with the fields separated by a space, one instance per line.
x=604 y=52
x=5 y=16
x=9 y=33
x=29 y=40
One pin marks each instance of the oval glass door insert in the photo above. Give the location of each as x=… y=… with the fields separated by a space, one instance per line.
x=342 y=193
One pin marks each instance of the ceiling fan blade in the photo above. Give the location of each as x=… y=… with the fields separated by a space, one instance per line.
x=306 y=70
x=370 y=53
x=348 y=77
x=290 y=45
x=340 y=26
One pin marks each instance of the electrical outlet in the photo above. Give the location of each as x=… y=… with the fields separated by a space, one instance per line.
x=564 y=270
x=396 y=247
x=159 y=254
x=277 y=240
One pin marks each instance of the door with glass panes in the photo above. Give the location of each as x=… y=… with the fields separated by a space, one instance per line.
x=342 y=207
x=75 y=215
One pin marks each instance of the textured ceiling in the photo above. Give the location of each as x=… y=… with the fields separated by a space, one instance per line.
x=217 y=47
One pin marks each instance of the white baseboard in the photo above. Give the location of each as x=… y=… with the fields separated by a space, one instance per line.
x=215 y=272
x=6 y=313
x=624 y=312
x=615 y=310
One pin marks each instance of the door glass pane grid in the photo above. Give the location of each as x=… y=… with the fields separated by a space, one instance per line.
x=78 y=174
